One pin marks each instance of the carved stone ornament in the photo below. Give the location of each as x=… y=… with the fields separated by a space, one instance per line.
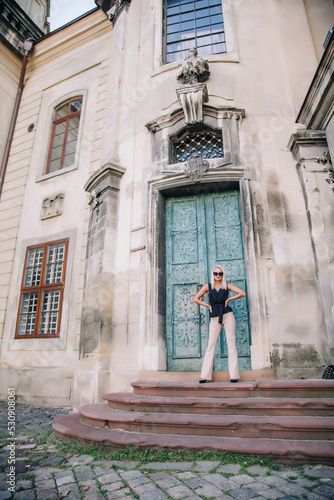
x=112 y=8
x=196 y=167
x=52 y=206
x=194 y=69
x=191 y=99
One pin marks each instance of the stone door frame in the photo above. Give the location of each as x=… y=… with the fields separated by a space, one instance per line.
x=219 y=176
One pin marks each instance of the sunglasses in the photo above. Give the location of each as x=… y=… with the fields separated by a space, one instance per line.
x=218 y=274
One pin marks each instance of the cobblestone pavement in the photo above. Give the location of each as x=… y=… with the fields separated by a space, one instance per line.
x=43 y=472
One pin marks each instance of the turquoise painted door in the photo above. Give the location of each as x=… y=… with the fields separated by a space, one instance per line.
x=202 y=231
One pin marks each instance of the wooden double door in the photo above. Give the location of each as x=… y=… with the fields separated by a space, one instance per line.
x=201 y=231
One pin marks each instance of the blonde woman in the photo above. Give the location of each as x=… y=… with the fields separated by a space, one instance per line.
x=220 y=314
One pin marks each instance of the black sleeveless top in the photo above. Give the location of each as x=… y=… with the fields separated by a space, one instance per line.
x=217 y=300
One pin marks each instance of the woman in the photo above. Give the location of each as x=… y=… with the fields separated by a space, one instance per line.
x=220 y=314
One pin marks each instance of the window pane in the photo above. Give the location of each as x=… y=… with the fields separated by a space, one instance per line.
x=202 y=3
x=54 y=165
x=55 y=262
x=219 y=37
x=75 y=106
x=62 y=112
x=28 y=314
x=173 y=19
x=219 y=48
x=50 y=312
x=174 y=37
x=33 y=268
x=204 y=40
x=215 y=11
x=69 y=160
x=209 y=19
x=173 y=28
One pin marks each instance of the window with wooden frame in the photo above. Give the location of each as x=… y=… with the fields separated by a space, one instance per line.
x=193 y=23
x=42 y=290
x=64 y=135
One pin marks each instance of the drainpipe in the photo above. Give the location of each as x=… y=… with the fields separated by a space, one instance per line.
x=28 y=44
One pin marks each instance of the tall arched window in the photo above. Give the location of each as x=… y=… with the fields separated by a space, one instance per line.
x=64 y=136
x=194 y=23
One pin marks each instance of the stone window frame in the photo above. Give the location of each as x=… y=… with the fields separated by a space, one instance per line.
x=172 y=180
x=44 y=136
x=41 y=288
x=231 y=55
x=183 y=54
x=37 y=343
x=65 y=141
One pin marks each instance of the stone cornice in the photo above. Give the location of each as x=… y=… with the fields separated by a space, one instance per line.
x=106 y=177
x=306 y=138
x=16 y=26
x=176 y=115
x=318 y=106
x=73 y=36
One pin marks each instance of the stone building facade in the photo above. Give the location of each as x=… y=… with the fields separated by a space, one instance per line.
x=127 y=182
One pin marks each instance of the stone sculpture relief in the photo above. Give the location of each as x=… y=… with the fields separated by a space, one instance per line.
x=52 y=206
x=195 y=70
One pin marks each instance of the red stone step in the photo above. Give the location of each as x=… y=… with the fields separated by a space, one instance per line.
x=243 y=426
x=271 y=388
x=226 y=406
x=305 y=451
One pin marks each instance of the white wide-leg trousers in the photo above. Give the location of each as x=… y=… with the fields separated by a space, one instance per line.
x=214 y=331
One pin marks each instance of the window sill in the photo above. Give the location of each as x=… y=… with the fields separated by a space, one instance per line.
x=231 y=57
x=55 y=174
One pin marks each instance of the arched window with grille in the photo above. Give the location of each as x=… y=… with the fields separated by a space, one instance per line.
x=207 y=143
x=64 y=135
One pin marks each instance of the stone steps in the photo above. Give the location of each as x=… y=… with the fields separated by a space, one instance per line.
x=273 y=388
x=287 y=420
x=273 y=427
x=305 y=451
x=321 y=407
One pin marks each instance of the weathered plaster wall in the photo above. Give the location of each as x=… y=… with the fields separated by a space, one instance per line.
x=58 y=70
x=270 y=62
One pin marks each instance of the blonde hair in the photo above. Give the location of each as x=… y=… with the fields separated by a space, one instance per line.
x=223 y=285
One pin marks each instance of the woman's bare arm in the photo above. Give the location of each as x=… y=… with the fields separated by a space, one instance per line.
x=203 y=291
x=239 y=293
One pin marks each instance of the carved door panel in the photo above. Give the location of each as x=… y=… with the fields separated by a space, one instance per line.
x=225 y=247
x=201 y=231
x=186 y=270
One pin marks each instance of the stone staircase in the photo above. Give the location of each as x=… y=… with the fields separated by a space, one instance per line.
x=287 y=420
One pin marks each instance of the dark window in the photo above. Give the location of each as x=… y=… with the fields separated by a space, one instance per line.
x=206 y=143
x=64 y=136
x=194 y=23
x=42 y=290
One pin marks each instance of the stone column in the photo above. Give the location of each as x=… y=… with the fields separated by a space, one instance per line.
x=316 y=176
x=92 y=375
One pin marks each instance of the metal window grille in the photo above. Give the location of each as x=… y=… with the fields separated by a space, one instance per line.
x=208 y=144
x=194 y=23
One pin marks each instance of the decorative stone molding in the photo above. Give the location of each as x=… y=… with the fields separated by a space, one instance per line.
x=191 y=99
x=112 y=8
x=106 y=178
x=52 y=206
x=318 y=107
x=196 y=167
